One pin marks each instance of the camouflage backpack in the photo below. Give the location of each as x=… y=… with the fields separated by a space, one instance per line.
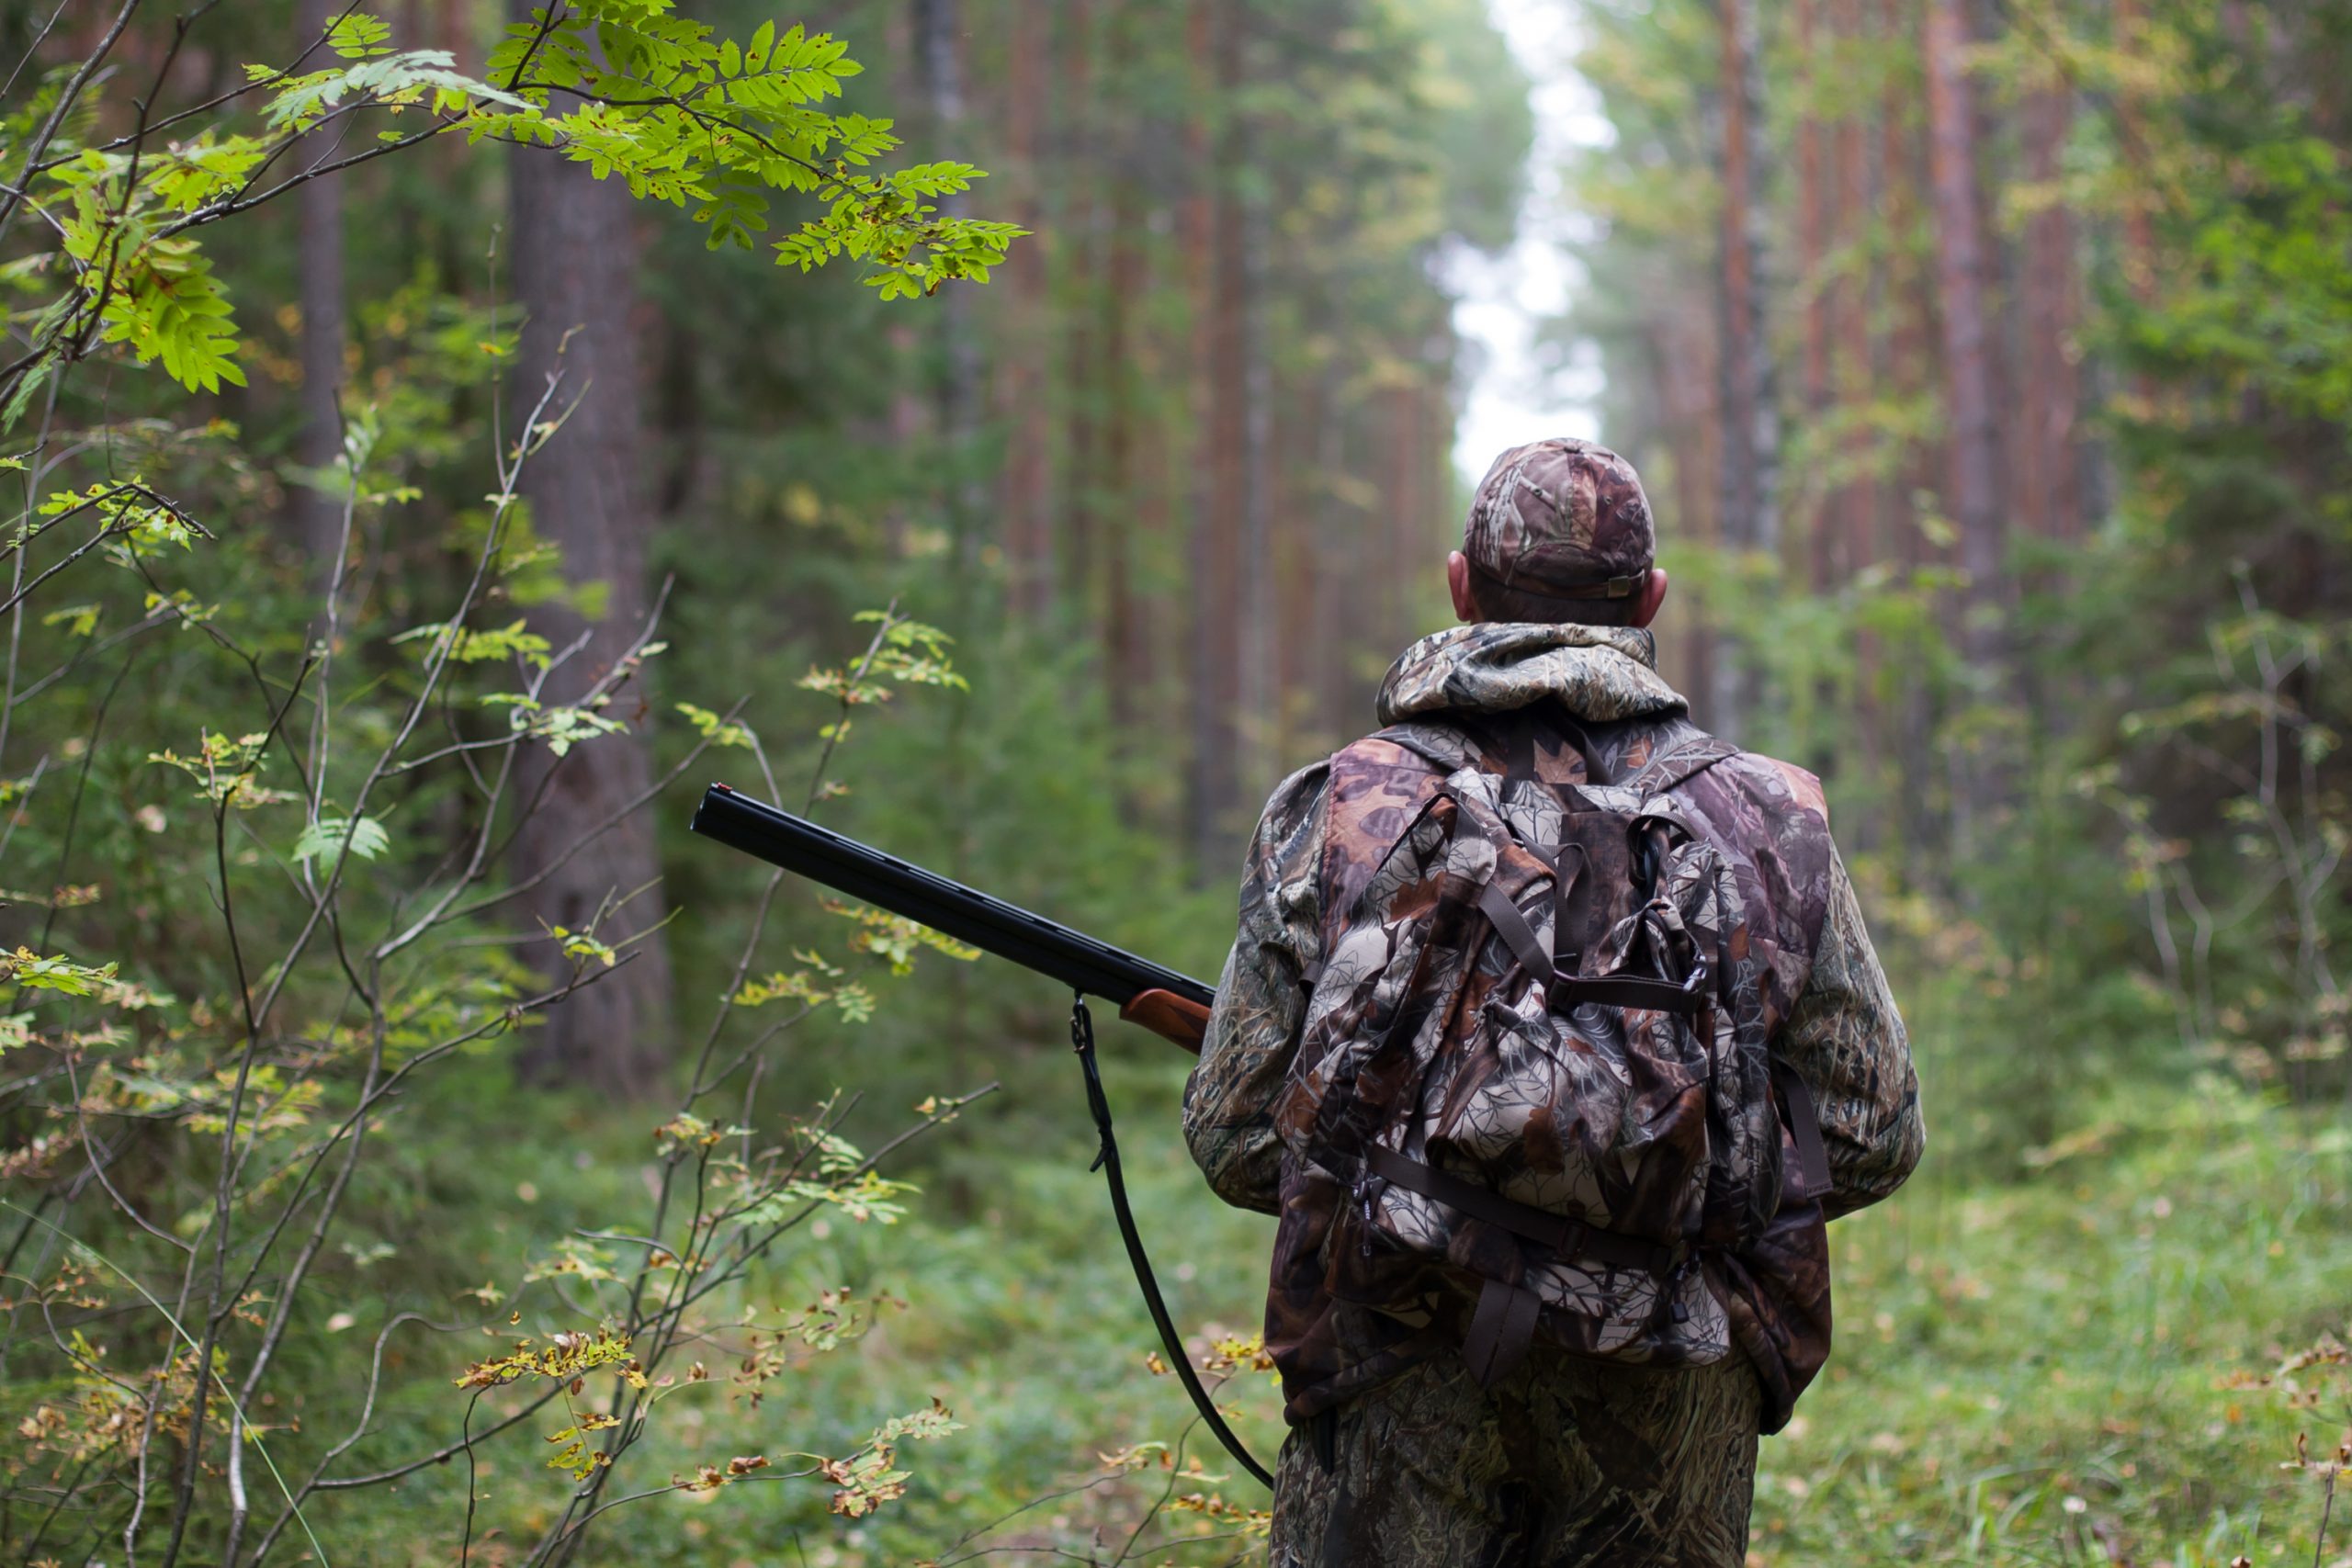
x=1519 y=1058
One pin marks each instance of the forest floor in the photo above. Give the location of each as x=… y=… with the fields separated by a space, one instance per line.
x=2047 y=1370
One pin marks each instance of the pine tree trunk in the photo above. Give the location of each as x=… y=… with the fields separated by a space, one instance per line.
x=575 y=258
x=1123 y=532
x=1025 y=505
x=1748 y=507
x=1078 y=157
x=1686 y=380
x=1856 y=508
x=1974 y=496
x=1910 y=360
x=939 y=61
x=1339 y=599
x=1815 y=219
x=1855 y=504
x=1213 y=255
x=1257 y=690
x=1972 y=493
x=2049 y=486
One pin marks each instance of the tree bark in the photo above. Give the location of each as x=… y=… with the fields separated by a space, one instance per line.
x=1814 y=221
x=2049 y=481
x=1080 y=163
x=1855 y=505
x=939 y=61
x=1972 y=488
x=1214 y=243
x=1257 y=686
x=1126 y=532
x=1747 y=508
x=575 y=258
x=1975 y=467
x=1025 y=505
x=1678 y=350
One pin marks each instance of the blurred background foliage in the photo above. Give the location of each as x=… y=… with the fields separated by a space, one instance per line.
x=1985 y=360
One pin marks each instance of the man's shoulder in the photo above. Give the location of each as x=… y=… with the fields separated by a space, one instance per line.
x=1396 y=765
x=1391 y=749
x=1783 y=788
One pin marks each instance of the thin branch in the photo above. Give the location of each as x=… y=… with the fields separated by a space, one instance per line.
x=66 y=101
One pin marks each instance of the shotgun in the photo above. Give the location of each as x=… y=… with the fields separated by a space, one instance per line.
x=1173 y=1006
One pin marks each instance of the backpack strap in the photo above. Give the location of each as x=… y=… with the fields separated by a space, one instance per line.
x=1502 y=1328
x=1512 y=927
x=1566 y=1238
x=1805 y=1130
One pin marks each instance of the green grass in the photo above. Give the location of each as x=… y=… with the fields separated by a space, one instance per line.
x=2026 y=1373
x=2031 y=1373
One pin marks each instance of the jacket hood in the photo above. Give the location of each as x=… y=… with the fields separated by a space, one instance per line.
x=1598 y=674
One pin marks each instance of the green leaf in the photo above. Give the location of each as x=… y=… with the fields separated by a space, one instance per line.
x=325 y=838
x=358 y=35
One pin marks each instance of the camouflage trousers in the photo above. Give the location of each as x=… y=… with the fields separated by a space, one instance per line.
x=1570 y=1463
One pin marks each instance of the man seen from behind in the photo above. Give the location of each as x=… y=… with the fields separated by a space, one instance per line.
x=1552 y=1036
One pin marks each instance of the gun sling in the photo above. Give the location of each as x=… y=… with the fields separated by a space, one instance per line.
x=1169 y=1004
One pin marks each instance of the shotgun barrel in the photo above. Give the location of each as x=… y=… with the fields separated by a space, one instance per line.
x=990 y=924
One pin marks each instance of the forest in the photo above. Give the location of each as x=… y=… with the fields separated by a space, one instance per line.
x=440 y=436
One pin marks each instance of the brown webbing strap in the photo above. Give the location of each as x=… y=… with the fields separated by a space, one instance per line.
x=1501 y=1331
x=1564 y=883
x=1805 y=1130
x=1512 y=927
x=1633 y=991
x=1569 y=1239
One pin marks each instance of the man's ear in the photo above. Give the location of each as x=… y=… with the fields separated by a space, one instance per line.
x=1457 y=582
x=1653 y=595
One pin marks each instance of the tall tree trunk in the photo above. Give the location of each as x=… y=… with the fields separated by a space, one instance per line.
x=1025 y=505
x=1397 y=504
x=1339 y=597
x=909 y=407
x=1321 y=602
x=318 y=251
x=2139 y=214
x=575 y=258
x=1214 y=251
x=1812 y=519
x=939 y=63
x=1747 y=508
x=1855 y=506
x=1686 y=381
x=1081 y=155
x=1257 y=688
x=1972 y=487
x=2049 y=481
x=1856 y=503
x=1123 y=534
x=1907 y=366
x=1974 y=433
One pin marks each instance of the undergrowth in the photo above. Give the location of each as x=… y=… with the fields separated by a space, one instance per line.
x=2079 y=1366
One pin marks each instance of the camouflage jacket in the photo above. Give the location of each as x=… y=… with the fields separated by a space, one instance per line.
x=1819 y=999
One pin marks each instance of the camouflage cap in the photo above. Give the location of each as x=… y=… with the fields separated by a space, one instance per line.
x=1562 y=518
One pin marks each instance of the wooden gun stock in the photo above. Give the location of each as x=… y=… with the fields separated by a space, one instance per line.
x=1170 y=1016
